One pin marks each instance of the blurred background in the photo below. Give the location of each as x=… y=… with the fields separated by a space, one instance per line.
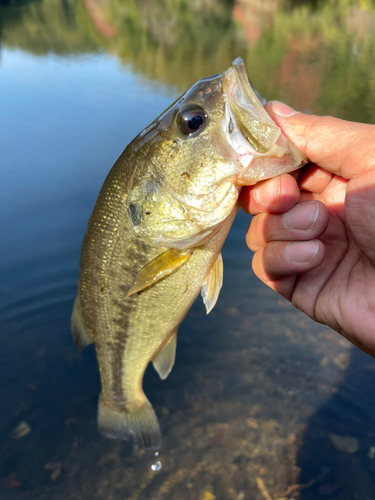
x=262 y=402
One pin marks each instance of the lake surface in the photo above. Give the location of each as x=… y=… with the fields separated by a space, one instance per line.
x=262 y=402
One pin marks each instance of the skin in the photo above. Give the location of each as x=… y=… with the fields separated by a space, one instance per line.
x=314 y=236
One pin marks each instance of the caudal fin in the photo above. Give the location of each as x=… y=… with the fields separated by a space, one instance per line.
x=140 y=425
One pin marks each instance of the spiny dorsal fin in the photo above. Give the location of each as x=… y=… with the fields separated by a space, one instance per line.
x=81 y=336
x=211 y=289
x=164 y=361
x=158 y=268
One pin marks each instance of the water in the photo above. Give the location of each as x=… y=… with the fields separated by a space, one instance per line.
x=258 y=390
x=156 y=466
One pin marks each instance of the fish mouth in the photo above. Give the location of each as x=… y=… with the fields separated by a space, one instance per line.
x=261 y=149
x=250 y=92
x=246 y=82
x=249 y=129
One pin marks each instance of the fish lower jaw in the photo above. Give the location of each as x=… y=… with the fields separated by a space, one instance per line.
x=247 y=158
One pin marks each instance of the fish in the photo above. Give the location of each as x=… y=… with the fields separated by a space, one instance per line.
x=154 y=239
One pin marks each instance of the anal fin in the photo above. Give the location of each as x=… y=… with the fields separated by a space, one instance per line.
x=164 y=361
x=81 y=336
x=158 y=268
x=211 y=288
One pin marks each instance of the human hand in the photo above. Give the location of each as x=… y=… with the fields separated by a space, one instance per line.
x=314 y=241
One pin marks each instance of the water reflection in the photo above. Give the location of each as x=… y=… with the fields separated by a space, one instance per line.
x=257 y=389
x=315 y=55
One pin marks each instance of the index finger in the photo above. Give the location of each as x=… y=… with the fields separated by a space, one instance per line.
x=341 y=147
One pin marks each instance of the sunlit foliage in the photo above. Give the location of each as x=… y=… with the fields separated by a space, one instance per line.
x=317 y=55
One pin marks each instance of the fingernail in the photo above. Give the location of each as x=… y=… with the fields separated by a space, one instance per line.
x=301 y=252
x=281 y=109
x=268 y=192
x=302 y=216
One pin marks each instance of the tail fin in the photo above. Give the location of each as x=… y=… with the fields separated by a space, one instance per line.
x=139 y=424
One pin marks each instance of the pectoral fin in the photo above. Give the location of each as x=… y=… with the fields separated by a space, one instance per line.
x=164 y=361
x=211 y=289
x=158 y=268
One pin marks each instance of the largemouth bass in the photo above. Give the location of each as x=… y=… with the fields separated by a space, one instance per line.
x=154 y=238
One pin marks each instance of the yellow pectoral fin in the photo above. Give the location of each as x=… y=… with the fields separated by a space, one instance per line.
x=164 y=361
x=211 y=289
x=158 y=268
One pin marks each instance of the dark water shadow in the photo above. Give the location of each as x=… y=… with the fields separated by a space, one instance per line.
x=340 y=472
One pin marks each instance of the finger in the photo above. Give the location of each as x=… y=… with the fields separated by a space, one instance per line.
x=306 y=196
x=304 y=221
x=315 y=179
x=360 y=217
x=273 y=195
x=339 y=146
x=333 y=196
x=279 y=263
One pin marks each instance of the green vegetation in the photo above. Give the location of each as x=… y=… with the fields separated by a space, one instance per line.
x=317 y=55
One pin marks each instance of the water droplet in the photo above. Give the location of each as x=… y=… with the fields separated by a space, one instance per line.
x=156 y=466
x=156 y=454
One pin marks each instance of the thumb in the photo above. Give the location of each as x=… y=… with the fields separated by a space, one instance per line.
x=341 y=147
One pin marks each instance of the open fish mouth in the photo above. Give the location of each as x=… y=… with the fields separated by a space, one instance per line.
x=238 y=138
x=250 y=131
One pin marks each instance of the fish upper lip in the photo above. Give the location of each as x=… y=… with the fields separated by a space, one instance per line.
x=239 y=66
x=241 y=70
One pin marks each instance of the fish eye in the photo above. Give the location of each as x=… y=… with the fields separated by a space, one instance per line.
x=191 y=119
